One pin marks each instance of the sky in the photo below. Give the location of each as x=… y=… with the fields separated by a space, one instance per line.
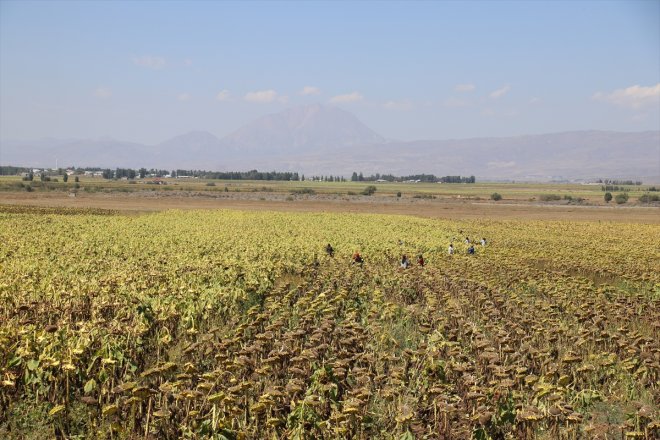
x=145 y=71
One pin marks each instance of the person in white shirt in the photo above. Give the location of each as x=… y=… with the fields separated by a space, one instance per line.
x=450 y=250
x=483 y=242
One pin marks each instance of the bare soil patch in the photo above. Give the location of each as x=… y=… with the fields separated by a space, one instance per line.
x=449 y=208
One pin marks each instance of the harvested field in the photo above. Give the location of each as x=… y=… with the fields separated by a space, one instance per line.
x=448 y=208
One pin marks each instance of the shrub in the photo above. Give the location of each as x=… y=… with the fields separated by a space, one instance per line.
x=621 y=198
x=210 y=184
x=398 y=194
x=646 y=198
x=352 y=193
x=496 y=196
x=607 y=197
x=423 y=196
x=304 y=191
x=368 y=191
x=549 y=197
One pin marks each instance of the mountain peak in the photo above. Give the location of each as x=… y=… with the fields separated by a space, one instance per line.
x=302 y=128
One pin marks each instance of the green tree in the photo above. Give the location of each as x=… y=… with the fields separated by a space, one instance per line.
x=495 y=196
x=354 y=177
x=65 y=177
x=621 y=198
x=607 y=197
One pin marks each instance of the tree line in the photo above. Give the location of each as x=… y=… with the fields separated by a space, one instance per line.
x=618 y=182
x=415 y=177
x=142 y=173
x=130 y=173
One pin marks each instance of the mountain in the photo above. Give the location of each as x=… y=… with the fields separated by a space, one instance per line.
x=301 y=129
x=46 y=153
x=569 y=155
x=325 y=140
x=190 y=150
x=579 y=154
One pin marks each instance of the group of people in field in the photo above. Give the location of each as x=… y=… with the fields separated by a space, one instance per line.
x=356 y=258
x=405 y=261
x=470 y=250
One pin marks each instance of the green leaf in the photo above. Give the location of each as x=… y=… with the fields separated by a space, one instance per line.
x=15 y=362
x=56 y=410
x=33 y=364
x=109 y=410
x=90 y=386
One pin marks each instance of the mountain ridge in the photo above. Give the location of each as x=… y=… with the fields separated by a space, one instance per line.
x=320 y=139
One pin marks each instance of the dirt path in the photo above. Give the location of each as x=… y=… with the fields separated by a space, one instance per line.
x=439 y=208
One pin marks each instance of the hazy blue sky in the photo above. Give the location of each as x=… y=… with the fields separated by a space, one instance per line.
x=145 y=71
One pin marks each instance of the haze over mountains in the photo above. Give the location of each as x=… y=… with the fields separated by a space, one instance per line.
x=302 y=129
x=318 y=139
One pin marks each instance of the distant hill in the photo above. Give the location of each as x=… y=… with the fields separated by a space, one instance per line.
x=190 y=150
x=79 y=152
x=320 y=139
x=301 y=129
x=570 y=155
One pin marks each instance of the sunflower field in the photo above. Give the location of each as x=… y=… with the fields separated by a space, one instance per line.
x=238 y=325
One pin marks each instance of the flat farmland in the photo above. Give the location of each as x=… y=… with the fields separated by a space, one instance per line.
x=451 y=201
x=216 y=323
